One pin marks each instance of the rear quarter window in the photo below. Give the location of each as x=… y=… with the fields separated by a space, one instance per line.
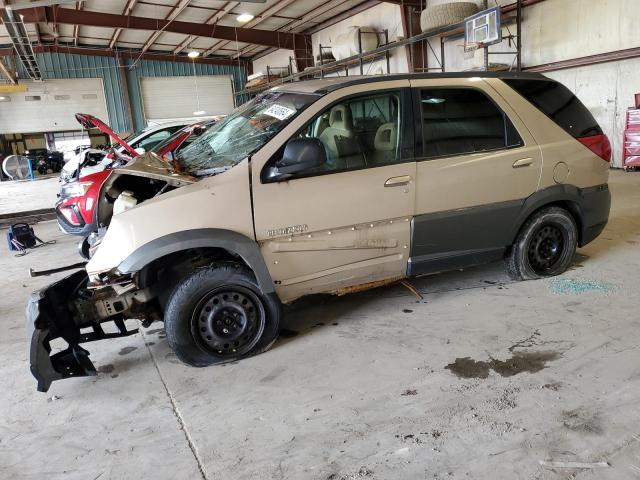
x=558 y=103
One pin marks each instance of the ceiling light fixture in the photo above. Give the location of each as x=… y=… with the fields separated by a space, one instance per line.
x=245 y=17
x=193 y=54
x=199 y=113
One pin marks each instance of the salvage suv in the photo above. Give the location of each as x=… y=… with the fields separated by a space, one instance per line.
x=333 y=186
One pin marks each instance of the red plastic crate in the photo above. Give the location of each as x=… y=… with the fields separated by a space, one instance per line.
x=631 y=148
x=633 y=119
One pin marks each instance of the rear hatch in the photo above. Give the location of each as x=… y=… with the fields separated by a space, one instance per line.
x=559 y=104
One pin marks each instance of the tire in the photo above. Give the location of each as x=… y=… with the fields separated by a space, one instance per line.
x=545 y=245
x=83 y=248
x=446 y=14
x=218 y=314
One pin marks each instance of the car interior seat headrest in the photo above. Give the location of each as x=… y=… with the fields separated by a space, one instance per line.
x=386 y=137
x=340 y=117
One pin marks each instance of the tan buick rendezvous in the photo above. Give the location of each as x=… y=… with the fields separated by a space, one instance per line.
x=331 y=186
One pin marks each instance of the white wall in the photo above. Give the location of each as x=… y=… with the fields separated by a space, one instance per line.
x=382 y=16
x=563 y=29
x=557 y=30
x=607 y=90
x=278 y=58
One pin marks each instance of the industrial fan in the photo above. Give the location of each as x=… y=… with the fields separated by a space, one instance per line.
x=16 y=167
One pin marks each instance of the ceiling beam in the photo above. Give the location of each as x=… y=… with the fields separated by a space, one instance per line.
x=76 y=28
x=361 y=7
x=212 y=20
x=37 y=32
x=22 y=44
x=272 y=10
x=134 y=55
x=406 y=3
x=309 y=16
x=126 y=11
x=176 y=10
x=8 y=74
x=97 y=19
x=227 y=8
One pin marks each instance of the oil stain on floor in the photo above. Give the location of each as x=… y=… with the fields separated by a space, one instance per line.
x=127 y=350
x=520 y=362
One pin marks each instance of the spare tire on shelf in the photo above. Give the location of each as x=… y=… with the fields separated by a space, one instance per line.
x=446 y=14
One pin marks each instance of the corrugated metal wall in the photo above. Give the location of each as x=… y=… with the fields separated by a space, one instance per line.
x=57 y=65
x=154 y=68
x=63 y=65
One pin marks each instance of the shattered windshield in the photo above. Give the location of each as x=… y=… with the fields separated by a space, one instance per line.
x=242 y=132
x=195 y=130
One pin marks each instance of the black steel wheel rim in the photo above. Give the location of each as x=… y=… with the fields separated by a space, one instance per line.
x=546 y=248
x=228 y=321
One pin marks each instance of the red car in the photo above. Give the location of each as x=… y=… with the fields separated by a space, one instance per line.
x=76 y=208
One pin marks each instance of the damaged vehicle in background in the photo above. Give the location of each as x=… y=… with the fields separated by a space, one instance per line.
x=85 y=206
x=94 y=160
x=333 y=186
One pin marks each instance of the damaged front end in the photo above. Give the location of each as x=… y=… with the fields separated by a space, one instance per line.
x=74 y=311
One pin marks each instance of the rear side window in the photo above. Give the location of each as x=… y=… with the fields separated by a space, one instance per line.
x=459 y=121
x=558 y=103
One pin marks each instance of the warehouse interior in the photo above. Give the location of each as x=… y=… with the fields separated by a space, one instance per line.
x=462 y=373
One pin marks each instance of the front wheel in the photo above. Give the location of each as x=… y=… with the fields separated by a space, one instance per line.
x=218 y=314
x=84 y=248
x=545 y=245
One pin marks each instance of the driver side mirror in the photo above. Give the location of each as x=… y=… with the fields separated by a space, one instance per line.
x=300 y=155
x=140 y=150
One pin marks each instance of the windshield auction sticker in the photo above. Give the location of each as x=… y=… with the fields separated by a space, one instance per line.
x=279 y=112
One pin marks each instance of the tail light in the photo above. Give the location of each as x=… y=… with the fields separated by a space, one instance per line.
x=598 y=144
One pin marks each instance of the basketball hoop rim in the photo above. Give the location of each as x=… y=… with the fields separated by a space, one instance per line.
x=471 y=46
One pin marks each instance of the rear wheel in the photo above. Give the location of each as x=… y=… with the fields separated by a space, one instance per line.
x=545 y=245
x=219 y=314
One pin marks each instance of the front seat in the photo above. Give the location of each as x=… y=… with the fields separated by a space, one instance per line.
x=385 y=144
x=340 y=128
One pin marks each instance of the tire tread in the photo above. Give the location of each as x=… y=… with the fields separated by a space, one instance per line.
x=514 y=264
x=231 y=271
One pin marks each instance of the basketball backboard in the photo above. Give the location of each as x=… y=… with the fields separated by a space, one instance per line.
x=482 y=29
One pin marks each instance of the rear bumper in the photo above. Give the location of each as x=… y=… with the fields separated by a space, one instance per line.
x=63 y=310
x=595 y=205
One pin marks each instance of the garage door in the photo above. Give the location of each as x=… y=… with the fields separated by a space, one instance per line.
x=165 y=98
x=50 y=106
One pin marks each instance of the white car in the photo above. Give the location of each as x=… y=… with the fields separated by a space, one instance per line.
x=142 y=141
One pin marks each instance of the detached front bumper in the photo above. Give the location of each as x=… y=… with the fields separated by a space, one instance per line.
x=65 y=309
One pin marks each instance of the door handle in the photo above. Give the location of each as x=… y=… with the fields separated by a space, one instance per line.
x=523 y=162
x=398 y=181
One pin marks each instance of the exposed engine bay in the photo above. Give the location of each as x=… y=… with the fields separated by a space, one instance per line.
x=144 y=178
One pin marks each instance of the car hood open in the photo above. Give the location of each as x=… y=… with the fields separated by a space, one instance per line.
x=89 y=121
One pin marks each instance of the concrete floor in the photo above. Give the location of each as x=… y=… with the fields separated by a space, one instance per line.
x=358 y=387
